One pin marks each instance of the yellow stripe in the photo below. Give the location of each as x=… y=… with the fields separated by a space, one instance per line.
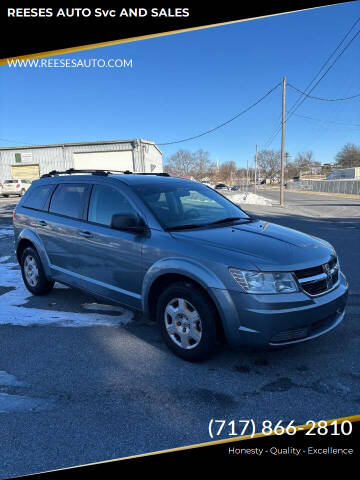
x=63 y=51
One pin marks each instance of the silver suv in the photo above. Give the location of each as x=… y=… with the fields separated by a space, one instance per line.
x=182 y=254
x=15 y=187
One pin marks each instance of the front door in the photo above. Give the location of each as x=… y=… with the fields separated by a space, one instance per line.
x=111 y=259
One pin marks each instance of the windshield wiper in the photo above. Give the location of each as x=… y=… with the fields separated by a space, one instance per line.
x=230 y=219
x=185 y=227
x=204 y=225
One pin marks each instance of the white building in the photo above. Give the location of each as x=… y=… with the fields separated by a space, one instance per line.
x=31 y=162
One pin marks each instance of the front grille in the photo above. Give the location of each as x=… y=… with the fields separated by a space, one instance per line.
x=303 y=332
x=309 y=272
x=315 y=288
x=327 y=276
x=289 y=335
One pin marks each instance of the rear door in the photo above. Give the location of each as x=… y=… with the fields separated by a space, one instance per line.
x=60 y=230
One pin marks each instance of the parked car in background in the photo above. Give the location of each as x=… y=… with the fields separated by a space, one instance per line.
x=235 y=187
x=221 y=186
x=15 y=187
x=208 y=184
x=182 y=254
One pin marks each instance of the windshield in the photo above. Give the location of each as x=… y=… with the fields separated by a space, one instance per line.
x=11 y=181
x=179 y=204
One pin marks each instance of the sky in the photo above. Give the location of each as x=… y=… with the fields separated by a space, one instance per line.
x=184 y=84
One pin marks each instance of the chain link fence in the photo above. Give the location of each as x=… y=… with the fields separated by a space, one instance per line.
x=351 y=187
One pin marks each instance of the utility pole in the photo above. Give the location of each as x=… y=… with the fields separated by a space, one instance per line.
x=282 y=143
x=247 y=174
x=287 y=155
x=255 y=169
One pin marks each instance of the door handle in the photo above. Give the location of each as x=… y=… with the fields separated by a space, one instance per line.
x=85 y=234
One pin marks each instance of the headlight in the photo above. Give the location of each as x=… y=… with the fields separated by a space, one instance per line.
x=264 y=282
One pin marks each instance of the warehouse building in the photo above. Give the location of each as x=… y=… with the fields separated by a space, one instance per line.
x=33 y=161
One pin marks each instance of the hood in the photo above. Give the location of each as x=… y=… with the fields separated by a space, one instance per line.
x=266 y=245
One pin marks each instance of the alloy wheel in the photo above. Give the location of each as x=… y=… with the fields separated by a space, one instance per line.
x=31 y=270
x=183 y=323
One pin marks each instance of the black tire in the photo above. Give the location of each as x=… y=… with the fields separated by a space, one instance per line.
x=39 y=284
x=203 y=343
x=22 y=192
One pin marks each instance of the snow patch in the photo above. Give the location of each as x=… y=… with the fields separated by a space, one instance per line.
x=19 y=403
x=100 y=306
x=6 y=231
x=250 y=198
x=14 y=314
x=8 y=380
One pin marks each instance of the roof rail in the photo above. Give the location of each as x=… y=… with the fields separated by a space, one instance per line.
x=158 y=174
x=71 y=171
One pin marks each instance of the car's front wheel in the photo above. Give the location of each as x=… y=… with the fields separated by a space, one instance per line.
x=33 y=273
x=188 y=321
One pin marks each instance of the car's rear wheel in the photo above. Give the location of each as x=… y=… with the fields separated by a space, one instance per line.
x=188 y=321
x=22 y=192
x=33 y=273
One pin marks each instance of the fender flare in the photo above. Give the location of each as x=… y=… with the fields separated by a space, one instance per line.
x=180 y=266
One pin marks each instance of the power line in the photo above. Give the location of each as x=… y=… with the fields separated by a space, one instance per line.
x=327 y=121
x=273 y=136
x=326 y=72
x=330 y=56
x=322 y=98
x=302 y=98
x=224 y=123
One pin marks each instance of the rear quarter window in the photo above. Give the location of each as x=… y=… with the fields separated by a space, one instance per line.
x=37 y=197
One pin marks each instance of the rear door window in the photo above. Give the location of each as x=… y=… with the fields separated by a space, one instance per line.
x=37 y=197
x=68 y=200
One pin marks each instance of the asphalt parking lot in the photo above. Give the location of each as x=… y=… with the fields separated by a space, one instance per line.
x=82 y=382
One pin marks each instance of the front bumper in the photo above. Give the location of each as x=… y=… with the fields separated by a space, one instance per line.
x=284 y=319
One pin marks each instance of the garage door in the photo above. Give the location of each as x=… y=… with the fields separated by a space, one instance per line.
x=29 y=172
x=104 y=161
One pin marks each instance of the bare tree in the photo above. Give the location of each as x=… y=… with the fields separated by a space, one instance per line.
x=291 y=170
x=269 y=164
x=227 y=171
x=305 y=160
x=240 y=175
x=180 y=163
x=349 y=156
x=203 y=167
x=195 y=164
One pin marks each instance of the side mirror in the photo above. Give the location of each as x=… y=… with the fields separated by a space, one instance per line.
x=128 y=222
